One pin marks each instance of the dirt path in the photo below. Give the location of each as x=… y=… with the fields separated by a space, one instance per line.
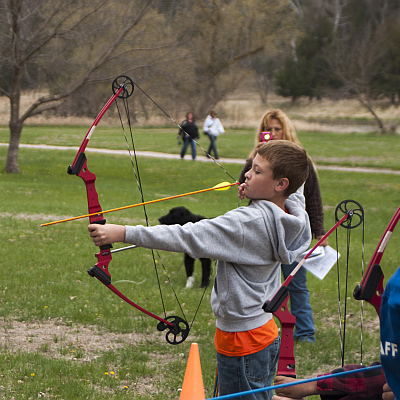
x=199 y=158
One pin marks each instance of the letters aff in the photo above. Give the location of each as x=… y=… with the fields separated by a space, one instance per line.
x=389 y=349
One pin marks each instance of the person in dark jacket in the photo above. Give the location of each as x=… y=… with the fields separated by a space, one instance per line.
x=189 y=134
x=275 y=125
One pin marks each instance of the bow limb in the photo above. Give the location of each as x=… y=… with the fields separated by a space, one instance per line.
x=371 y=287
x=176 y=327
x=80 y=158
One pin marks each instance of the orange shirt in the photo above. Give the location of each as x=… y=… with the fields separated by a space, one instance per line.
x=236 y=344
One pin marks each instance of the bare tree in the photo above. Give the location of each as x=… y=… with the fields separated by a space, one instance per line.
x=356 y=69
x=360 y=52
x=38 y=36
x=219 y=39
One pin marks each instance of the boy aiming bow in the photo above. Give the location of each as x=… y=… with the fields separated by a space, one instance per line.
x=249 y=244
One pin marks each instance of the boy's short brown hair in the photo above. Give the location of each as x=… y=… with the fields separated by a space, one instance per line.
x=287 y=160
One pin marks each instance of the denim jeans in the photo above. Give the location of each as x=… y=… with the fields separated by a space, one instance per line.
x=213 y=146
x=300 y=305
x=186 y=141
x=254 y=371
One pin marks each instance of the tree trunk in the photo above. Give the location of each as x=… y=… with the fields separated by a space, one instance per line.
x=368 y=106
x=12 y=155
x=15 y=125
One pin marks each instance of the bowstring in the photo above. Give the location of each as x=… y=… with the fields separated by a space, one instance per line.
x=202 y=296
x=135 y=167
x=348 y=236
x=180 y=127
x=339 y=297
x=137 y=175
x=342 y=320
x=362 y=301
x=342 y=330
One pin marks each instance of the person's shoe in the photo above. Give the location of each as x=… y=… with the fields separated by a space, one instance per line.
x=189 y=282
x=306 y=339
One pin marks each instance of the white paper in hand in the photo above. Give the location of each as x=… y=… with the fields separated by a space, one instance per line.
x=321 y=260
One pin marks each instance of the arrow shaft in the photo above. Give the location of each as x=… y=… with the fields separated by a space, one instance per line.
x=140 y=204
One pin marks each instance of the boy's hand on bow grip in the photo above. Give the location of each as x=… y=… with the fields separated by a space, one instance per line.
x=106 y=234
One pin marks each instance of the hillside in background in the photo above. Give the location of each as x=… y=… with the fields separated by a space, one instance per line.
x=243 y=109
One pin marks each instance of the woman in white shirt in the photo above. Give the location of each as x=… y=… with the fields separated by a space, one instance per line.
x=213 y=128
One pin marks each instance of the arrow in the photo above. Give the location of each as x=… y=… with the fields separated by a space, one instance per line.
x=294 y=383
x=219 y=186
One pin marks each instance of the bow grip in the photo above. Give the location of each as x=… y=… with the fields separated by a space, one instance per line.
x=96 y=271
x=272 y=305
x=102 y=222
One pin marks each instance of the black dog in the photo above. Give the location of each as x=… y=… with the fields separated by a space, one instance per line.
x=181 y=215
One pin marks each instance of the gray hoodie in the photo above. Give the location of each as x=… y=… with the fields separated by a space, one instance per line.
x=249 y=243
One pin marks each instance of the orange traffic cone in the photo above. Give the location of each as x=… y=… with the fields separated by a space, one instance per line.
x=192 y=388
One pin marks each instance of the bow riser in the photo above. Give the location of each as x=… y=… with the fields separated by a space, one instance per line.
x=92 y=196
x=89 y=179
x=286 y=362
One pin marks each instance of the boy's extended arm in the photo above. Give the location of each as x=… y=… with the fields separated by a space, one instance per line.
x=216 y=238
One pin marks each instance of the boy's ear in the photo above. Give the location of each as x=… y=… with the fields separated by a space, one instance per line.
x=282 y=185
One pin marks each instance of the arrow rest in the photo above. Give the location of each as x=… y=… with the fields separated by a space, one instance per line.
x=126 y=83
x=354 y=211
x=178 y=332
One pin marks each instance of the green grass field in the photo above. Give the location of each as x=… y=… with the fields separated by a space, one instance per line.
x=45 y=287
